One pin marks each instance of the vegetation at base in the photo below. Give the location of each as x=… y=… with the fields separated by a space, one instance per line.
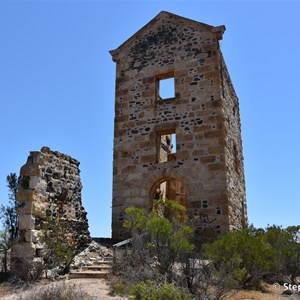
x=5 y=244
x=286 y=252
x=60 y=291
x=59 y=252
x=8 y=213
x=162 y=255
x=253 y=255
x=9 y=216
x=151 y=291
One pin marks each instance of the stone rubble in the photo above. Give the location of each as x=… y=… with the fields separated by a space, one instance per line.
x=94 y=253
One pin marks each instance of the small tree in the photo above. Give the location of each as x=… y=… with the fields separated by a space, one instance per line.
x=163 y=253
x=59 y=251
x=158 y=241
x=285 y=242
x=8 y=213
x=5 y=244
x=245 y=254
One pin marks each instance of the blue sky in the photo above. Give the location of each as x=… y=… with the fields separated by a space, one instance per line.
x=57 y=89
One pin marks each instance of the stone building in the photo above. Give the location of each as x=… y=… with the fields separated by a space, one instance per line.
x=177 y=126
x=50 y=189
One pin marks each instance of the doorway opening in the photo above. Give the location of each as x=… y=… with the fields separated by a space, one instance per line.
x=170 y=189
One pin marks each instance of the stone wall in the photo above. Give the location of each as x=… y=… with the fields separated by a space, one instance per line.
x=50 y=189
x=207 y=167
x=234 y=160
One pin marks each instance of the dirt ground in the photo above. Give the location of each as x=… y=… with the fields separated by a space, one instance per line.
x=100 y=290
x=97 y=288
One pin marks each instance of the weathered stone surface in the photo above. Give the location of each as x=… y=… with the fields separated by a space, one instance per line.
x=51 y=189
x=40 y=252
x=202 y=113
x=32 y=236
x=26 y=222
x=23 y=250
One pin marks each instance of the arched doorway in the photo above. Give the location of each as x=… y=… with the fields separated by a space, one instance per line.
x=169 y=188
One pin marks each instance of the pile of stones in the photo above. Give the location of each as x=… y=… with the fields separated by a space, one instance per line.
x=93 y=254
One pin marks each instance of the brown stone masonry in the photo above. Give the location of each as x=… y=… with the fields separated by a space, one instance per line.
x=187 y=145
x=51 y=188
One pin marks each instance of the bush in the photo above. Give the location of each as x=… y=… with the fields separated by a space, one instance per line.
x=286 y=246
x=161 y=251
x=61 y=291
x=59 y=250
x=150 y=291
x=245 y=254
x=28 y=270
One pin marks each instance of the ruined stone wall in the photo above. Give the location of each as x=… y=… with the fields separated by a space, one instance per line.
x=174 y=47
x=50 y=189
x=233 y=153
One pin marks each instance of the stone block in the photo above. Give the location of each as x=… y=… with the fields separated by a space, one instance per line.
x=32 y=236
x=39 y=246
x=39 y=209
x=30 y=170
x=208 y=159
x=25 y=208
x=25 y=195
x=26 y=222
x=23 y=250
x=37 y=183
x=128 y=169
x=41 y=252
x=148 y=158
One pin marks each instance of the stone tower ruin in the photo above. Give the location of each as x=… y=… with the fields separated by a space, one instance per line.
x=50 y=190
x=177 y=126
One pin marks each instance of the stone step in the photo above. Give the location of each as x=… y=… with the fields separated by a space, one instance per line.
x=106 y=261
x=98 y=267
x=89 y=274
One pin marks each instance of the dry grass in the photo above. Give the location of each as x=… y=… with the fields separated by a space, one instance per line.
x=58 y=291
x=100 y=288
x=269 y=294
x=93 y=288
x=254 y=295
x=4 y=288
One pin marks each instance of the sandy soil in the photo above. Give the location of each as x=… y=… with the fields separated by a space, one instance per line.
x=97 y=288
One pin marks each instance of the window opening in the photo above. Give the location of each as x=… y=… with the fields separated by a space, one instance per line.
x=204 y=204
x=166 y=88
x=167 y=147
x=217 y=229
x=173 y=145
x=204 y=218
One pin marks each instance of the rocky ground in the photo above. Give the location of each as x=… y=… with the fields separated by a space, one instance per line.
x=96 y=287
x=100 y=289
x=93 y=253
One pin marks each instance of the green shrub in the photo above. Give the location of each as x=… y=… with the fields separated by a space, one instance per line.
x=60 y=252
x=120 y=289
x=149 y=291
x=286 y=245
x=159 y=240
x=245 y=254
